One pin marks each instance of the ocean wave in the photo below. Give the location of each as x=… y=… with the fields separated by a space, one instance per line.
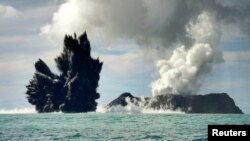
x=18 y=111
x=134 y=109
x=141 y=107
x=101 y=109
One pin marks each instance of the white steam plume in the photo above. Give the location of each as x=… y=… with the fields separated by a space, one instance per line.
x=159 y=24
x=184 y=72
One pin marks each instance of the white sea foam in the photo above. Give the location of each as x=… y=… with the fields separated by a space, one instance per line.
x=18 y=111
x=141 y=107
x=131 y=108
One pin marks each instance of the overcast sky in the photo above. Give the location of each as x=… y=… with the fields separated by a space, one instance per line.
x=31 y=29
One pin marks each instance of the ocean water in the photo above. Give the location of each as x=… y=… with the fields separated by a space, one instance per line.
x=111 y=126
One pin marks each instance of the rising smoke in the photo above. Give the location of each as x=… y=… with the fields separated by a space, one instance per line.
x=184 y=72
x=193 y=29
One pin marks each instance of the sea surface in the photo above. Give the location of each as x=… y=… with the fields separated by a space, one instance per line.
x=112 y=126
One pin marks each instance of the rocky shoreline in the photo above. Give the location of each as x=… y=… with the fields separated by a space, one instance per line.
x=220 y=103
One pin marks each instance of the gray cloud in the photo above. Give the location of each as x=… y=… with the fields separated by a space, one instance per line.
x=154 y=23
x=7 y=12
x=20 y=47
x=196 y=24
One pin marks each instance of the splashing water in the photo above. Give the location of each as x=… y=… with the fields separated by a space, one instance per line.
x=130 y=108
x=141 y=107
x=18 y=111
x=134 y=109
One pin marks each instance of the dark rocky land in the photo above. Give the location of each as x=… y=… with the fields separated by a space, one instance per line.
x=210 y=103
